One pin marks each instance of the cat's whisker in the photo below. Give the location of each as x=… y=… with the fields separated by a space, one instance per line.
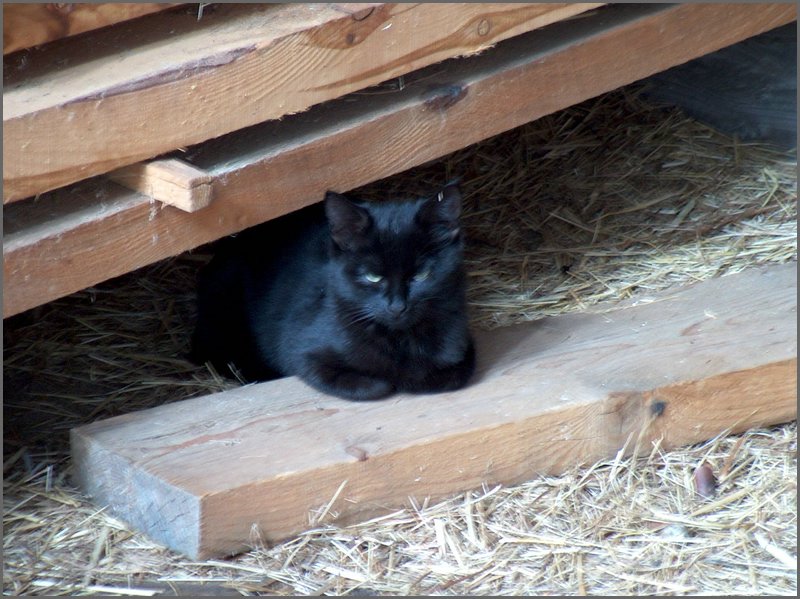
x=357 y=316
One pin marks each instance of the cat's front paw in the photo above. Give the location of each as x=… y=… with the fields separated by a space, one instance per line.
x=355 y=386
x=450 y=378
x=331 y=375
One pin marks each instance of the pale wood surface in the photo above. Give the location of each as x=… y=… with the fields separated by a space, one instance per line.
x=170 y=181
x=691 y=363
x=31 y=23
x=62 y=244
x=124 y=96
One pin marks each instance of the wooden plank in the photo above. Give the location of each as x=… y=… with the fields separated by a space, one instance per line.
x=62 y=244
x=30 y=24
x=117 y=97
x=170 y=181
x=197 y=475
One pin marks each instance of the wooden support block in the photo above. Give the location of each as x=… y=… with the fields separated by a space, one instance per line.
x=79 y=236
x=199 y=475
x=29 y=24
x=170 y=181
x=116 y=97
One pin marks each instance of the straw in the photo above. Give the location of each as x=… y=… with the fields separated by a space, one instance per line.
x=608 y=200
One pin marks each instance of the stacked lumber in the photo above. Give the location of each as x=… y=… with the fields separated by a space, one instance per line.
x=167 y=83
x=219 y=93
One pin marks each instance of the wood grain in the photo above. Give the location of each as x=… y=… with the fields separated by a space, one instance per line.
x=30 y=24
x=688 y=365
x=171 y=181
x=121 y=97
x=93 y=231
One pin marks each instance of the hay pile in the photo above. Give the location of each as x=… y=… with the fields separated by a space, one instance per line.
x=596 y=203
x=607 y=199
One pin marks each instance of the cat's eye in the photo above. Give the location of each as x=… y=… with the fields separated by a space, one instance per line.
x=371 y=277
x=422 y=274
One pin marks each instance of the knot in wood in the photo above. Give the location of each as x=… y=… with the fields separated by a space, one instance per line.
x=657 y=408
x=442 y=97
x=484 y=27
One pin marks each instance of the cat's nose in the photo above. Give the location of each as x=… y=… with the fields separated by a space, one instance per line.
x=397 y=307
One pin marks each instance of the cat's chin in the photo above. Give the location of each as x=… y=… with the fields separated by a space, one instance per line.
x=397 y=323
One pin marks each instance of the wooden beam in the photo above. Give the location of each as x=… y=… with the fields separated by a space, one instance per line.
x=117 y=97
x=171 y=181
x=94 y=231
x=197 y=475
x=29 y=24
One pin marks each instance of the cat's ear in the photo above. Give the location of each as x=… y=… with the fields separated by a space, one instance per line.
x=442 y=212
x=348 y=222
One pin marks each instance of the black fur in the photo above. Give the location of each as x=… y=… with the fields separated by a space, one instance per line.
x=359 y=299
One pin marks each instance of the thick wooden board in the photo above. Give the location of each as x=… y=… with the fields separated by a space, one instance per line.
x=198 y=475
x=170 y=181
x=95 y=231
x=124 y=96
x=29 y=24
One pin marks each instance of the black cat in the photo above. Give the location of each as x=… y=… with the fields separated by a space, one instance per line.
x=358 y=299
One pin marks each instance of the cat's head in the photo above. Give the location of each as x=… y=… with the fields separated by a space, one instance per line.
x=396 y=263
